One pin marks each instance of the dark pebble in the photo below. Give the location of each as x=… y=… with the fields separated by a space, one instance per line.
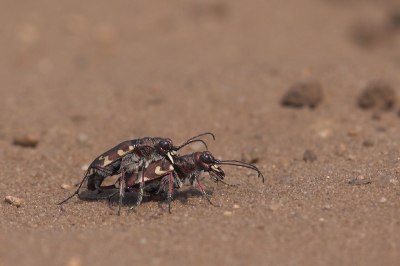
x=377 y=94
x=394 y=18
x=367 y=33
x=305 y=93
x=26 y=141
x=360 y=180
x=309 y=156
x=368 y=143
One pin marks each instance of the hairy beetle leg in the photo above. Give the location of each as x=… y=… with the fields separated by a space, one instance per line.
x=140 y=195
x=205 y=193
x=170 y=192
x=121 y=190
x=216 y=180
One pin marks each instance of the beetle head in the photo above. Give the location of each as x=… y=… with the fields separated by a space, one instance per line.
x=206 y=161
x=165 y=146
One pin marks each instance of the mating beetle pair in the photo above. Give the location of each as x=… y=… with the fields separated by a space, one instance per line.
x=151 y=165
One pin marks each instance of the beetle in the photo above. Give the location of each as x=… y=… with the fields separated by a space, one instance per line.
x=164 y=176
x=130 y=156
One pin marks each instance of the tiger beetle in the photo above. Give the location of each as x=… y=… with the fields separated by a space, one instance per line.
x=128 y=157
x=164 y=176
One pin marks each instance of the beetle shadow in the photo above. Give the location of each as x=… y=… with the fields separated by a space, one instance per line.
x=184 y=195
x=130 y=198
x=96 y=195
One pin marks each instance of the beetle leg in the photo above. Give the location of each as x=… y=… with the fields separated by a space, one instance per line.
x=100 y=178
x=204 y=192
x=140 y=195
x=121 y=190
x=223 y=182
x=170 y=192
x=77 y=190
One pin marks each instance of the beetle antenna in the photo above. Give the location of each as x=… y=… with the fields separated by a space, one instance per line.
x=243 y=164
x=193 y=139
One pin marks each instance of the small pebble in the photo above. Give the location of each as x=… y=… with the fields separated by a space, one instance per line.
x=78 y=118
x=13 y=201
x=381 y=129
x=26 y=140
x=368 y=143
x=236 y=206
x=309 y=156
x=252 y=155
x=324 y=133
x=82 y=138
x=109 y=213
x=360 y=180
x=209 y=11
x=342 y=148
x=368 y=33
x=227 y=213
x=305 y=93
x=383 y=199
x=353 y=133
x=377 y=94
x=65 y=186
x=394 y=18
x=351 y=157
x=376 y=116
x=393 y=181
x=274 y=207
x=62 y=208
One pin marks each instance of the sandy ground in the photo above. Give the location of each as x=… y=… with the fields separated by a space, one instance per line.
x=83 y=76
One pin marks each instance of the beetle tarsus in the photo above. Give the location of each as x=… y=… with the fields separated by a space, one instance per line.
x=121 y=190
x=76 y=191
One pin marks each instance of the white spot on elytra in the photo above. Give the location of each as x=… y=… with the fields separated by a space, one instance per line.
x=121 y=152
x=158 y=170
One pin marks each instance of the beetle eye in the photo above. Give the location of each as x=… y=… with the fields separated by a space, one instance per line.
x=165 y=145
x=207 y=158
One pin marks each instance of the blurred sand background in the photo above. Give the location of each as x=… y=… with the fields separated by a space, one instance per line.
x=80 y=77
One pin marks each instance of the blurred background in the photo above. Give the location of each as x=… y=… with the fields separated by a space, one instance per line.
x=79 y=77
x=134 y=68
